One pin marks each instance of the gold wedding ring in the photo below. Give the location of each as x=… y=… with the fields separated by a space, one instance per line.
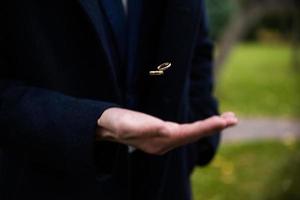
x=160 y=69
x=156 y=73
x=164 y=66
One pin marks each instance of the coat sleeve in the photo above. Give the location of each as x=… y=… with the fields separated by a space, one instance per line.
x=53 y=129
x=48 y=128
x=202 y=102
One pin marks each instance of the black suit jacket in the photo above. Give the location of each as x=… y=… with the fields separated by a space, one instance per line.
x=61 y=67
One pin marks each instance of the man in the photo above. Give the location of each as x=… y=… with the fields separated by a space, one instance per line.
x=72 y=74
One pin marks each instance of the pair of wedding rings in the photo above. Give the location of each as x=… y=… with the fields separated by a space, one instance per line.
x=160 y=69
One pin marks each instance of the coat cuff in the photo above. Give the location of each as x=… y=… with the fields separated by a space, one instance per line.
x=81 y=140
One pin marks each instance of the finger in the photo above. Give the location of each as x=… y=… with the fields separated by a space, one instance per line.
x=208 y=125
x=188 y=133
x=228 y=114
x=230 y=118
x=231 y=121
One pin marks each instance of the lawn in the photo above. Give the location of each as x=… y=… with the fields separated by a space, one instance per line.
x=251 y=171
x=259 y=80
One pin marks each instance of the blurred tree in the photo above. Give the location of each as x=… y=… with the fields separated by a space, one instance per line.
x=219 y=13
x=247 y=14
x=296 y=36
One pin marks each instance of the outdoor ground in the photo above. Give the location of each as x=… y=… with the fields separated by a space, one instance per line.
x=259 y=159
x=251 y=171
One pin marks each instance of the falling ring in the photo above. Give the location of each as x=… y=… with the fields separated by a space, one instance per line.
x=164 y=66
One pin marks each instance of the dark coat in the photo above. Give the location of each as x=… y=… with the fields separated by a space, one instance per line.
x=63 y=62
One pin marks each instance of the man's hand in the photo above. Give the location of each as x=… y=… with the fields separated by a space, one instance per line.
x=153 y=135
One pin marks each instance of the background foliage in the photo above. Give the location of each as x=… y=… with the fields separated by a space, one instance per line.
x=259 y=78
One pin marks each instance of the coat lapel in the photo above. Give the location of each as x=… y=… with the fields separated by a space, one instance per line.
x=92 y=10
x=115 y=15
x=135 y=8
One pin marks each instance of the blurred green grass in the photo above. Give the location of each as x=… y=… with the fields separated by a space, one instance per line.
x=258 y=171
x=259 y=80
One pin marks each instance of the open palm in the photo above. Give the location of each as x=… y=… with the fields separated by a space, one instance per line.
x=153 y=135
